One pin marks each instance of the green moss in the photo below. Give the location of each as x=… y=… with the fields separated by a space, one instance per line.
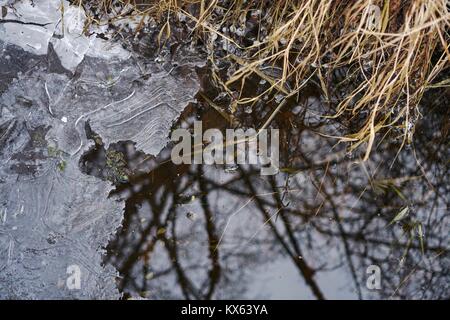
x=62 y=165
x=117 y=165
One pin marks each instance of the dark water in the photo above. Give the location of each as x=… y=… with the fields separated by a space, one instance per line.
x=311 y=231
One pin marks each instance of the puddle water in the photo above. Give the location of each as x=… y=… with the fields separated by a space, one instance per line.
x=318 y=229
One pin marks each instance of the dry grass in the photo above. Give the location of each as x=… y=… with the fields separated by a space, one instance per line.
x=390 y=51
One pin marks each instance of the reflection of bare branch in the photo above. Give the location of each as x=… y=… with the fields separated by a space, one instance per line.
x=337 y=209
x=297 y=257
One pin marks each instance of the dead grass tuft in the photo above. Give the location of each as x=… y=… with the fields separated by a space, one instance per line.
x=383 y=53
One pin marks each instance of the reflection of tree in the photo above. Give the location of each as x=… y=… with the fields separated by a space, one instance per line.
x=322 y=215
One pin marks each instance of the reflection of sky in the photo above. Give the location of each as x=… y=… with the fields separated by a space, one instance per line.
x=348 y=229
x=267 y=273
x=278 y=280
x=281 y=280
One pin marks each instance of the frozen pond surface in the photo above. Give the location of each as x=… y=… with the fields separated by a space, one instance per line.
x=52 y=216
